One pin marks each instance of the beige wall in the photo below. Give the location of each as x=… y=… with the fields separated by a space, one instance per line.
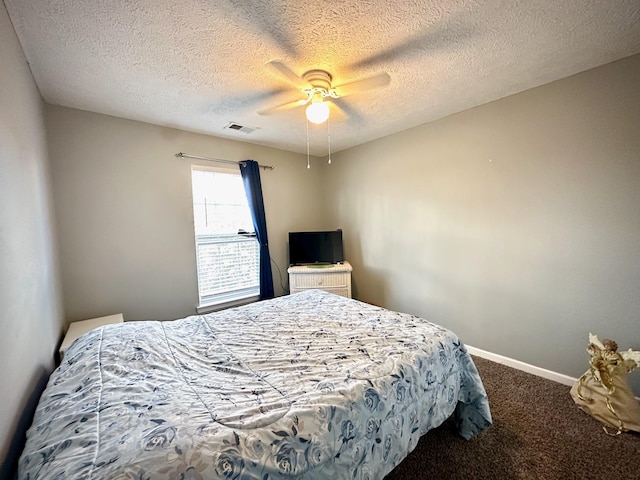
x=124 y=212
x=516 y=224
x=30 y=308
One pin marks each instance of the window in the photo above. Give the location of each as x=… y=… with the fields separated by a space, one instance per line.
x=227 y=251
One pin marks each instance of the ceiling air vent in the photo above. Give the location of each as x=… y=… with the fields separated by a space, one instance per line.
x=239 y=128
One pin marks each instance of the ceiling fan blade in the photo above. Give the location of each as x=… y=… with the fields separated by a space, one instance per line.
x=270 y=20
x=369 y=83
x=355 y=115
x=283 y=106
x=338 y=114
x=448 y=33
x=234 y=103
x=287 y=73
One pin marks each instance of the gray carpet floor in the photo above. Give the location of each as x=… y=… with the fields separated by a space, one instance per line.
x=537 y=433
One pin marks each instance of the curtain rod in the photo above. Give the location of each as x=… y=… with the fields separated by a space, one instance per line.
x=219 y=160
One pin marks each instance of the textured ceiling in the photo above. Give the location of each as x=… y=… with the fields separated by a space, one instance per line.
x=199 y=64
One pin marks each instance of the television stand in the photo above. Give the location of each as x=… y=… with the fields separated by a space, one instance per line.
x=334 y=278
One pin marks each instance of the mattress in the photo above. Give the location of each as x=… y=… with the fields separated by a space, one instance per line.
x=311 y=385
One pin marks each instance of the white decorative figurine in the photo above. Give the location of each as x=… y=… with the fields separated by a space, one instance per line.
x=603 y=391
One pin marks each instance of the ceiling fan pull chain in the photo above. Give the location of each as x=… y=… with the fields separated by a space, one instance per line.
x=308 y=164
x=329 y=140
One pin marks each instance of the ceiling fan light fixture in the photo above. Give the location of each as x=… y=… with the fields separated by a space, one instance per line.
x=317 y=112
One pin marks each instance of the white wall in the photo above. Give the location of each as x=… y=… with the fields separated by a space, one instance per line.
x=516 y=224
x=125 y=218
x=30 y=308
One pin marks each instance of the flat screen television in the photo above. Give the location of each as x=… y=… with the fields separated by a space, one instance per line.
x=311 y=248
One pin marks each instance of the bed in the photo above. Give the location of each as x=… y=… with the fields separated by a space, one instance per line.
x=311 y=385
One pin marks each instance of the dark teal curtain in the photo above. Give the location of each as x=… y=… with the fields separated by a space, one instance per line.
x=250 y=171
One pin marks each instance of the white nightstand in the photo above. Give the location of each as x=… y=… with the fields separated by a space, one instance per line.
x=334 y=278
x=78 y=328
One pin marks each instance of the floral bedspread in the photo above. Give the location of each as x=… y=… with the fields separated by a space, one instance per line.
x=310 y=385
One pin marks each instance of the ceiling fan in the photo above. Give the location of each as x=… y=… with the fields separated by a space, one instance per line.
x=316 y=91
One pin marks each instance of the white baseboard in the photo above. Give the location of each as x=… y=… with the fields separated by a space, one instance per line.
x=525 y=367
